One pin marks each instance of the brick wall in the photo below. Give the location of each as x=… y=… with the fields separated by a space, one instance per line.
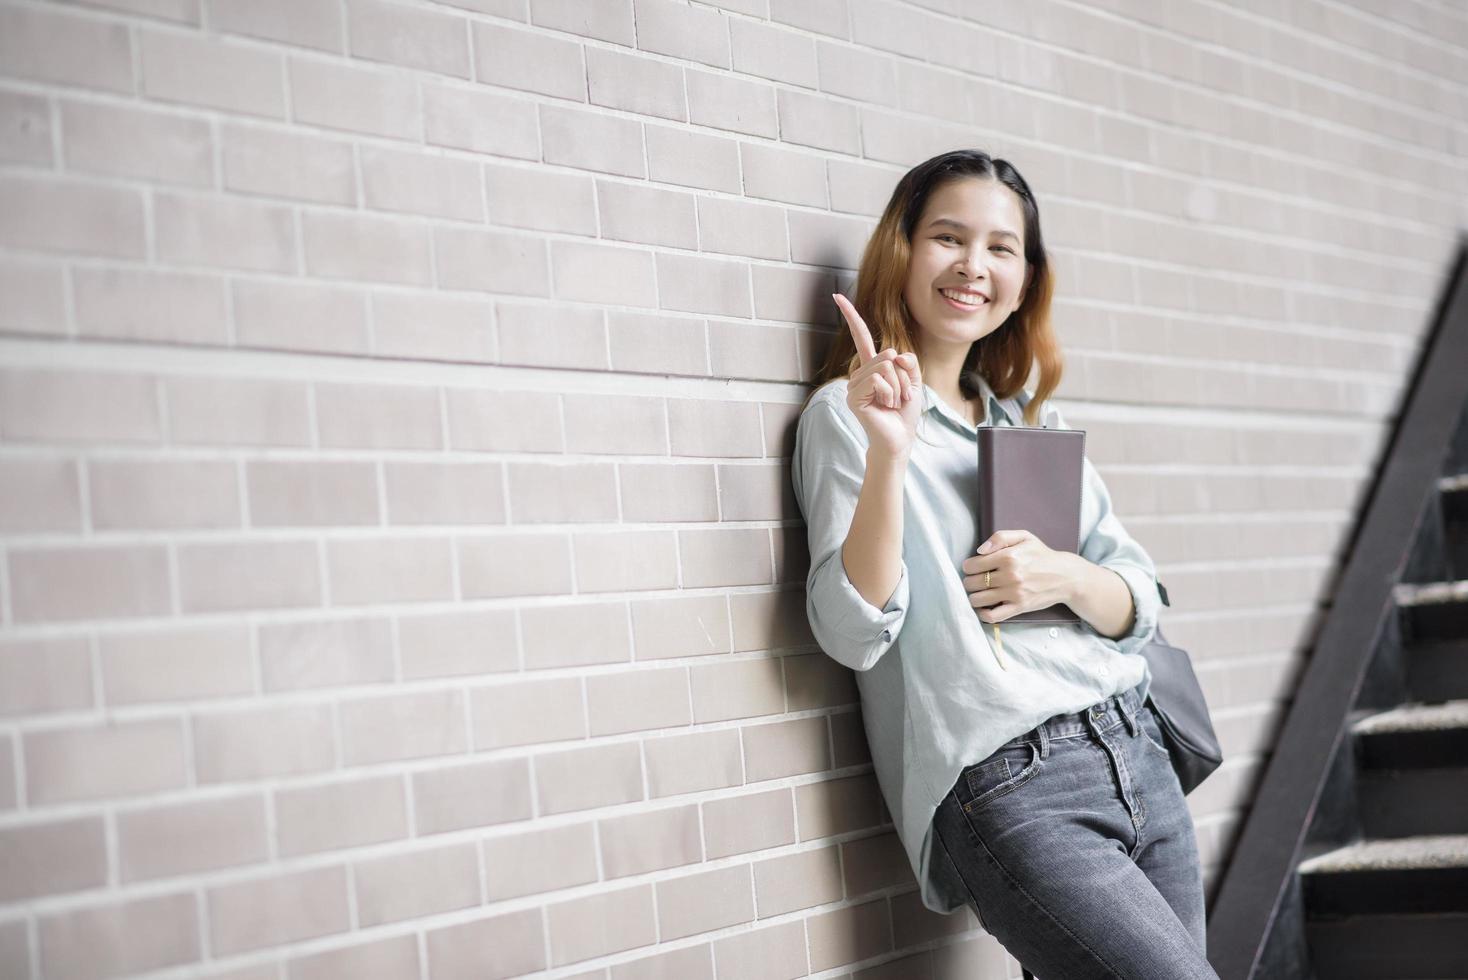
x=400 y=575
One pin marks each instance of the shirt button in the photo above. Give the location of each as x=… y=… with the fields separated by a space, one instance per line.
x=1054 y=631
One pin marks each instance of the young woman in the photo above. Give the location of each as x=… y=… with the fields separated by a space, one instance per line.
x=1031 y=785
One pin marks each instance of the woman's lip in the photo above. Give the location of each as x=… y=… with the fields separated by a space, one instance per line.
x=958 y=306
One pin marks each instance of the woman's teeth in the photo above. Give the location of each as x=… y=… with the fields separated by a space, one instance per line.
x=965 y=299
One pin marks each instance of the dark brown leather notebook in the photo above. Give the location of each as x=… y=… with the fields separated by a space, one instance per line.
x=1030 y=479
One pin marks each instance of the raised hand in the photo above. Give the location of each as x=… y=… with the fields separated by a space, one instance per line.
x=886 y=392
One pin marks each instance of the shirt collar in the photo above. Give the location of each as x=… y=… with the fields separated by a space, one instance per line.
x=997 y=408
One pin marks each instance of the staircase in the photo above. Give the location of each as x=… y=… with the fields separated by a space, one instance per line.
x=1394 y=903
x=1352 y=861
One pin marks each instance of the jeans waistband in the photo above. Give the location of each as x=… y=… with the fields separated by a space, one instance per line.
x=1119 y=709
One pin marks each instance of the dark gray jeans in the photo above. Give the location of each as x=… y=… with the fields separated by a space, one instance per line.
x=1078 y=850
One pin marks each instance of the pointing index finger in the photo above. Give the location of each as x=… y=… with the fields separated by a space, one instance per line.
x=866 y=348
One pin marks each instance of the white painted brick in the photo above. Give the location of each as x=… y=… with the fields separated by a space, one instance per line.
x=49 y=46
x=590 y=140
x=457 y=643
x=190 y=663
x=692 y=159
x=211 y=231
x=71 y=216
x=299 y=316
x=492 y=262
x=409 y=37
x=108 y=139
x=90 y=582
x=131 y=494
x=255 y=743
x=34 y=297
x=42 y=675
x=695 y=284
x=433 y=326
x=104 y=762
x=174 y=839
x=371 y=249
x=681 y=31
x=605 y=21
x=386 y=570
x=635 y=213
x=486 y=122
x=132 y=937
x=728 y=102
x=742 y=228
x=40 y=495
x=138 y=304
x=25 y=129
x=603 y=274
x=553 y=336
x=325 y=653
x=359 y=100
x=531 y=61
x=773 y=52
x=777 y=174
x=647 y=342
x=305 y=23
x=405 y=726
x=826 y=124
x=52 y=858
x=857 y=73
x=273 y=163
x=820 y=16
x=645 y=86
x=526 y=197
x=219 y=411
x=743 y=349
x=211 y=72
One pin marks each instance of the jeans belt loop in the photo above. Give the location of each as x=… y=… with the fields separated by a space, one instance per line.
x=1124 y=704
x=1044 y=731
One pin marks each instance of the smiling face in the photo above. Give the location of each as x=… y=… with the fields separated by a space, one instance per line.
x=969 y=240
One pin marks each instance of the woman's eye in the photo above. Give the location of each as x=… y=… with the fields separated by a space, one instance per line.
x=941 y=237
x=1005 y=247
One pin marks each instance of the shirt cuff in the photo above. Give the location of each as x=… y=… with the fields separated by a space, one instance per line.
x=1147 y=604
x=866 y=623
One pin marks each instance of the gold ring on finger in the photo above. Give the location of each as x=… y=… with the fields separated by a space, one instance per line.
x=986 y=578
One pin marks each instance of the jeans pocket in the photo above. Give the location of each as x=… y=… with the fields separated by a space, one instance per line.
x=1010 y=767
x=1151 y=730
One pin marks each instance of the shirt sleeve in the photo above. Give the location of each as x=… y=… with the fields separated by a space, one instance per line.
x=1106 y=542
x=828 y=471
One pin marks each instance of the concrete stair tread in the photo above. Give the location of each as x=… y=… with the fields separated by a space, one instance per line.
x=1417 y=717
x=1392 y=854
x=1430 y=593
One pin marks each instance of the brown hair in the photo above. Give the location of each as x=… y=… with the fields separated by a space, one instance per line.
x=1004 y=357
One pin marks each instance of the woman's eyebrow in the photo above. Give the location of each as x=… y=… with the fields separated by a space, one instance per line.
x=1002 y=232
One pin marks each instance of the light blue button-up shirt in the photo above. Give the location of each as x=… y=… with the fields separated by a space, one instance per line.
x=934 y=697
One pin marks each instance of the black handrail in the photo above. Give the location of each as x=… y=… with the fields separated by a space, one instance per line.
x=1254 y=897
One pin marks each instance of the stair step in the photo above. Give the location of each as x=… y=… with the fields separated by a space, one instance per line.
x=1389 y=947
x=1414 y=736
x=1401 y=803
x=1433 y=610
x=1453 y=493
x=1400 y=876
x=1437 y=669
